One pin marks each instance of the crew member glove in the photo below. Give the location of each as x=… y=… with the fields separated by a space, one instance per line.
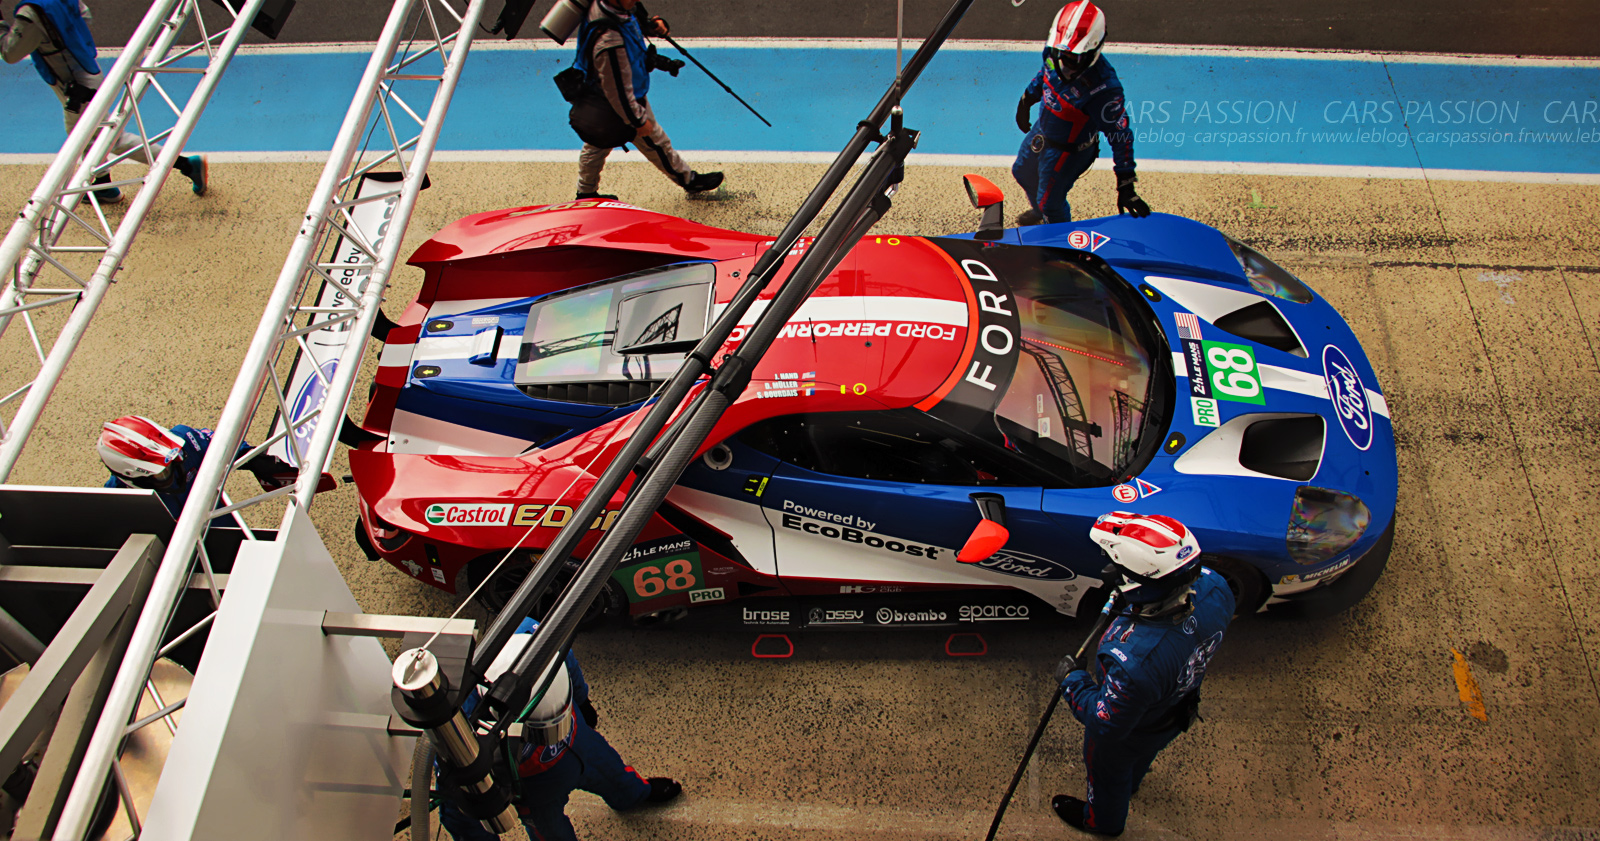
x=1067 y=666
x=1024 y=115
x=656 y=27
x=590 y=717
x=1128 y=201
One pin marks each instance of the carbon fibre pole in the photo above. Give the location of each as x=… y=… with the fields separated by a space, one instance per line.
x=699 y=360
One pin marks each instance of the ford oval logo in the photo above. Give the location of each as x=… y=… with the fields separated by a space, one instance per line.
x=1349 y=396
x=1023 y=565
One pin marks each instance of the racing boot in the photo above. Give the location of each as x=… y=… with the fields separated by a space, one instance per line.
x=700 y=182
x=1030 y=217
x=1071 y=810
x=110 y=195
x=606 y=196
x=193 y=167
x=662 y=789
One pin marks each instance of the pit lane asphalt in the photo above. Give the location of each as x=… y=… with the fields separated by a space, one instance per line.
x=1551 y=28
x=1479 y=304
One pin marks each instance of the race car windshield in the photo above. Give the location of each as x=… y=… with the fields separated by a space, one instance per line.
x=635 y=327
x=1081 y=395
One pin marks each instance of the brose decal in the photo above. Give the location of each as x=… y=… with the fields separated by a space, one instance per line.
x=846 y=534
x=765 y=617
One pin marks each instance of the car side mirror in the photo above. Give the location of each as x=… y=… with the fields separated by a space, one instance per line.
x=988 y=198
x=991 y=533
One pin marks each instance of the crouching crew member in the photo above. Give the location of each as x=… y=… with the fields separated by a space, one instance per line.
x=561 y=752
x=141 y=453
x=1082 y=99
x=611 y=108
x=1143 y=687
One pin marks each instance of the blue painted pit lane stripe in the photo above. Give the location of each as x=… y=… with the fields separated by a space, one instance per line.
x=1195 y=109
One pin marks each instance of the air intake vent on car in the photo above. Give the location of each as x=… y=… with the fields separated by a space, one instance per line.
x=1286 y=447
x=598 y=394
x=1263 y=324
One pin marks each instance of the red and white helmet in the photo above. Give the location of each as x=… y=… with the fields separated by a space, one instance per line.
x=1155 y=553
x=1076 y=36
x=135 y=447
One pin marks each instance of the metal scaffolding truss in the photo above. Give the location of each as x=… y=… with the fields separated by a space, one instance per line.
x=401 y=103
x=63 y=225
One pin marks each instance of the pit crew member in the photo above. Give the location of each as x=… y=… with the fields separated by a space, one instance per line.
x=613 y=109
x=1143 y=687
x=56 y=34
x=141 y=453
x=564 y=752
x=1082 y=99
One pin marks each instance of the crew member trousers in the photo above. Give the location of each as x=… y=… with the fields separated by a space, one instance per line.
x=1046 y=172
x=1115 y=771
x=656 y=146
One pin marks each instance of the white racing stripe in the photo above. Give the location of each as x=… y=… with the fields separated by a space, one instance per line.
x=869 y=308
x=1289 y=379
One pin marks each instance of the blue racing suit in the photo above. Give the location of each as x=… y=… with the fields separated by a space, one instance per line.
x=1065 y=139
x=195 y=442
x=1149 y=681
x=550 y=774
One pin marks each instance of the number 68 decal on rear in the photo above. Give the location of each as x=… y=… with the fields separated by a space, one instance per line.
x=663 y=576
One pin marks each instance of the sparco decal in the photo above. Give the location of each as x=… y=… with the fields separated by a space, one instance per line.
x=1349 y=396
x=1024 y=565
x=845 y=534
x=890 y=616
x=992 y=612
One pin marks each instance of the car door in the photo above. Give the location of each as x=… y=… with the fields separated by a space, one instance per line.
x=881 y=501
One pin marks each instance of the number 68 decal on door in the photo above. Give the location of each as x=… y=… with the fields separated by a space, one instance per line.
x=661 y=576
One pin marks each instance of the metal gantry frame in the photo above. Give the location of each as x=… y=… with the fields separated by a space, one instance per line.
x=411 y=134
x=64 y=202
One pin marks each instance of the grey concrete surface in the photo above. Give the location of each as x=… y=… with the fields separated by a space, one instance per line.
x=1480 y=307
x=1551 y=28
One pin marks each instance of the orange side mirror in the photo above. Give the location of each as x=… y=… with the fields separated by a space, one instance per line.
x=988 y=198
x=986 y=540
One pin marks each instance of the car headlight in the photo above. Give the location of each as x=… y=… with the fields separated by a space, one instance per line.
x=1323 y=524
x=1268 y=277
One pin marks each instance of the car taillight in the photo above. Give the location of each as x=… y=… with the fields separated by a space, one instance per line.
x=1323 y=524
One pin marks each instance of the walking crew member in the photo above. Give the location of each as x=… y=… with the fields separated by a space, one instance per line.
x=561 y=752
x=1144 y=688
x=1082 y=99
x=56 y=34
x=141 y=453
x=616 y=65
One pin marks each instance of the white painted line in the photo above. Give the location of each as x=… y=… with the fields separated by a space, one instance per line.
x=974 y=45
x=1000 y=161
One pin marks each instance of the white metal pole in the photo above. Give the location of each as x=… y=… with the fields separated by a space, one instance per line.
x=173 y=572
x=88 y=123
x=337 y=394
x=78 y=322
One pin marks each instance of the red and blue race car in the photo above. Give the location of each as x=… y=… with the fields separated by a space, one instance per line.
x=1151 y=365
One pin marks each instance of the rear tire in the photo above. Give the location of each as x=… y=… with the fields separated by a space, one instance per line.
x=493 y=598
x=1250 y=587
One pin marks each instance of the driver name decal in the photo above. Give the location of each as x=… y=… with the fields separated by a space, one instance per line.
x=1349 y=396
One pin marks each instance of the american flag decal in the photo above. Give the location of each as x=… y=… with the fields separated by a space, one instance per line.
x=1188 y=326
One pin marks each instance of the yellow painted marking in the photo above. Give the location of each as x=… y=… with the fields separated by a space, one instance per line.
x=1469 y=688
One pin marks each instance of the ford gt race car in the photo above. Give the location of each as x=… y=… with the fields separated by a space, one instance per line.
x=1055 y=373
